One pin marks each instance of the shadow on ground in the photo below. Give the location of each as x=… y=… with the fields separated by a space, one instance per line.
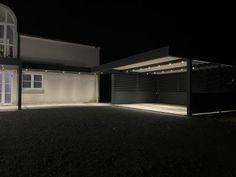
x=114 y=142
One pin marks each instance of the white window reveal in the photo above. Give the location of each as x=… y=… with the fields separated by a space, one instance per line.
x=32 y=81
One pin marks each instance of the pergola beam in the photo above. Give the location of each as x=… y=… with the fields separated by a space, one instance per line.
x=189 y=87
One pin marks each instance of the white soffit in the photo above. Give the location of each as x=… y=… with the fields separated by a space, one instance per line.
x=171 y=72
x=197 y=62
x=163 y=67
x=146 y=63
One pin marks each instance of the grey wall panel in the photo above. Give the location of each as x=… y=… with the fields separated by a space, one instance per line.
x=171 y=82
x=133 y=97
x=213 y=89
x=133 y=88
x=49 y=51
x=172 y=98
x=137 y=88
x=134 y=82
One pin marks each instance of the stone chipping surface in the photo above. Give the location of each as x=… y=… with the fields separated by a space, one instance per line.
x=114 y=142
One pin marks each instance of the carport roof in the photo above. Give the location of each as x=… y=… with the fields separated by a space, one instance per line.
x=143 y=57
x=163 y=56
x=150 y=58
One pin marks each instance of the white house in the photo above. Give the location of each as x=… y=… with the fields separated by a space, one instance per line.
x=35 y=70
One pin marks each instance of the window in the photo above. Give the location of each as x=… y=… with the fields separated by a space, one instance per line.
x=2 y=16
x=10 y=19
x=1 y=50
x=8 y=33
x=26 y=80
x=38 y=81
x=1 y=34
x=32 y=81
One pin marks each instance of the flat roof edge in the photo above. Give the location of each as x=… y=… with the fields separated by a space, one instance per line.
x=52 y=66
x=56 y=41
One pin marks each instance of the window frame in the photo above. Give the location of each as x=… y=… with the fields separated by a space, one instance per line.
x=27 y=81
x=32 y=81
x=7 y=24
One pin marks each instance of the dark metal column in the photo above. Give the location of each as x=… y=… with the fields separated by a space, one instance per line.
x=112 y=87
x=189 y=87
x=19 y=86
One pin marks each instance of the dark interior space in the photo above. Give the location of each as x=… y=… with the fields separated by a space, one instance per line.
x=213 y=88
x=133 y=88
x=143 y=88
x=105 y=88
x=172 y=88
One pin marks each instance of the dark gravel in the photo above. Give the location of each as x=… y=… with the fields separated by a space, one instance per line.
x=114 y=142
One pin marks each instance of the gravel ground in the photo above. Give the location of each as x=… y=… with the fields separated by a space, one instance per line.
x=114 y=142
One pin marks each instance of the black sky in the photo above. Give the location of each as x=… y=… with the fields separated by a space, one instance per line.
x=123 y=28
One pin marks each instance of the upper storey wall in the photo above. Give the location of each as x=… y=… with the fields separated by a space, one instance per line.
x=33 y=49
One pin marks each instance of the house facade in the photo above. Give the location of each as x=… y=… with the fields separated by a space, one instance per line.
x=36 y=71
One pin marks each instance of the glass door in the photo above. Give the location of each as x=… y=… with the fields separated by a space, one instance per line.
x=6 y=84
x=8 y=87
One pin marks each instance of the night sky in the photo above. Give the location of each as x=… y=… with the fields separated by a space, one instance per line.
x=123 y=28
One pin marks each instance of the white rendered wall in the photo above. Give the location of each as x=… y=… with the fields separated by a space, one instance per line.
x=59 y=88
x=33 y=49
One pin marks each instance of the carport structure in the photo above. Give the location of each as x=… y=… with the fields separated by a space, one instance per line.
x=159 y=80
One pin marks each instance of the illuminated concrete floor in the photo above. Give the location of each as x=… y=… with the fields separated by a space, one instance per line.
x=165 y=108
x=173 y=109
x=42 y=106
x=8 y=108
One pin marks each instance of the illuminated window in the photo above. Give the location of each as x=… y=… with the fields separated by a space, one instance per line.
x=38 y=81
x=8 y=33
x=26 y=80
x=32 y=81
